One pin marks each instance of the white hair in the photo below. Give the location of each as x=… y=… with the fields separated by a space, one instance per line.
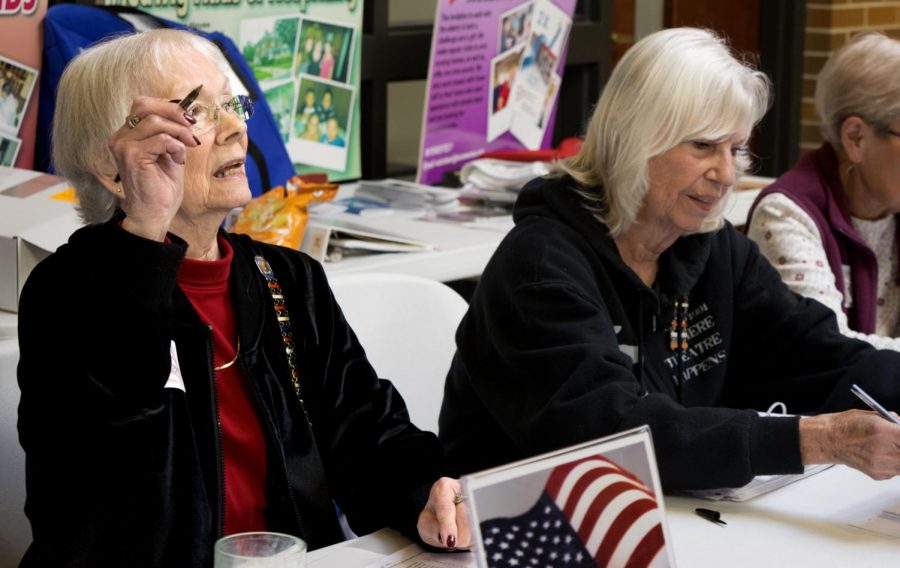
x=859 y=79
x=674 y=85
x=95 y=95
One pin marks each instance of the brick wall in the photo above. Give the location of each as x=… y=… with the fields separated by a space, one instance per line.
x=829 y=25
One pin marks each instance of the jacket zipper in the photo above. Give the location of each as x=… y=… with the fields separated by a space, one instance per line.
x=277 y=445
x=220 y=451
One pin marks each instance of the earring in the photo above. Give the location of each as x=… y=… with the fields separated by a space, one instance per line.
x=850 y=169
x=118 y=182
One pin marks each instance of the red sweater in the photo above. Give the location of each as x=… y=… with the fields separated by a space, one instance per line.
x=206 y=285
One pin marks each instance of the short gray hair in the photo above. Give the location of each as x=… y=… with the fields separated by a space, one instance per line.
x=674 y=85
x=94 y=97
x=860 y=79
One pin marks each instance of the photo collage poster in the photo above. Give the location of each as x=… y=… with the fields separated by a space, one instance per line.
x=307 y=63
x=20 y=59
x=493 y=80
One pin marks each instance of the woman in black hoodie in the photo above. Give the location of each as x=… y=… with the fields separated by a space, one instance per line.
x=622 y=298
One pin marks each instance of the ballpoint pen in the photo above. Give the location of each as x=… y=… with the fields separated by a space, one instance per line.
x=873 y=404
x=187 y=101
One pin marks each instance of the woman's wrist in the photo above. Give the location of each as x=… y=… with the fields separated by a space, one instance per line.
x=815 y=446
x=154 y=231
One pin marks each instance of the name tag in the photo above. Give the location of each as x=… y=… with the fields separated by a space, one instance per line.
x=175 y=379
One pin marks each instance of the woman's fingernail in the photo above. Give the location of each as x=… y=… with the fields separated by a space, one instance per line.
x=451 y=542
x=197 y=140
x=190 y=118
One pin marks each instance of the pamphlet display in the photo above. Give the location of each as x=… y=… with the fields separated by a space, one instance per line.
x=306 y=58
x=493 y=79
x=20 y=60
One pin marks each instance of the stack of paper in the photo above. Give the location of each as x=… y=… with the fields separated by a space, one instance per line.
x=498 y=181
x=401 y=194
x=760 y=485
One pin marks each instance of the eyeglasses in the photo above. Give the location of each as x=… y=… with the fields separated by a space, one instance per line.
x=207 y=116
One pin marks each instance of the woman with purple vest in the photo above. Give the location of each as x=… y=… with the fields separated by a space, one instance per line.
x=829 y=225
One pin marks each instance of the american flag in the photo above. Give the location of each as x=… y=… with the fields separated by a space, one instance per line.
x=590 y=513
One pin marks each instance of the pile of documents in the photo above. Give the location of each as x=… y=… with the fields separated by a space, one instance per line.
x=490 y=180
x=400 y=194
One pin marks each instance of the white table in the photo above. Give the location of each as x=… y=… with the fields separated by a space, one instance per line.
x=803 y=524
x=462 y=251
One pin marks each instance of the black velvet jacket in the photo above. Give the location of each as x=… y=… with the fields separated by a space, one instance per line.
x=122 y=471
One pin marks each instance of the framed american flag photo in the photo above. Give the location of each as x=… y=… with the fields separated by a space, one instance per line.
x=596 y=504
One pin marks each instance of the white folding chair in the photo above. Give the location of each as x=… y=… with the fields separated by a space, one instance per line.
x=407 y=325
x=15 y=532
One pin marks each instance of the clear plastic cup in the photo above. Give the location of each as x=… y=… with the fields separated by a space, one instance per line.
x=260 y=550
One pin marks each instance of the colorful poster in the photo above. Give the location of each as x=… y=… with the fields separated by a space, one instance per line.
x=306 y=56
x=20 y=61
x=493 y=79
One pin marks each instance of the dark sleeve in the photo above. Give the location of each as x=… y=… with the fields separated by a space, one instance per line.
x=94 y=356
x=789 y=348
x=380 y=467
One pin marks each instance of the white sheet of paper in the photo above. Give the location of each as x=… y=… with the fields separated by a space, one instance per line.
x=886 y=522
x=414 y=556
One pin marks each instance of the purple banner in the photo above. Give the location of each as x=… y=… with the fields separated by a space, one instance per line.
x=493 y=79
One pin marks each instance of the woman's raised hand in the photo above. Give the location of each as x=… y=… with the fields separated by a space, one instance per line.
x=150 y=150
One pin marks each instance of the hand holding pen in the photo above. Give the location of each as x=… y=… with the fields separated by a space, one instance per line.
x=150 y=150
x=863 y=440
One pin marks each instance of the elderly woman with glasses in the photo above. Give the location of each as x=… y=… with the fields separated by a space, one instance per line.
x=829 y=225
x=180 y=383
x=622 y=297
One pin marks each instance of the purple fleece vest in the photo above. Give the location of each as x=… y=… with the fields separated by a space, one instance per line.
x=815 y=185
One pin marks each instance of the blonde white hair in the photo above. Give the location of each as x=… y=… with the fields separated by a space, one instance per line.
x=860 y=79
x=672 y=86
x=95 y=95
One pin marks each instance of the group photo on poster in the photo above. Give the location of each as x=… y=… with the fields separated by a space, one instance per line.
x=322 y=122
x=17 y=82
x=302 y=65
x=326 y=50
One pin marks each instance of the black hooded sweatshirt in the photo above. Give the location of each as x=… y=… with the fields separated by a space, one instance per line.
x=563 y=343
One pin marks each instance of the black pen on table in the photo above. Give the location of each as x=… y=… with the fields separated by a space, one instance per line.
x=873 y=404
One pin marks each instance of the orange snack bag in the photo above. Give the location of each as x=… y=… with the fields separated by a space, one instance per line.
x=279 y=216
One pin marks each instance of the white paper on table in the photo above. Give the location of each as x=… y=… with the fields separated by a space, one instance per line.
x=345 y=556
x=414 y=556
x=886 y=522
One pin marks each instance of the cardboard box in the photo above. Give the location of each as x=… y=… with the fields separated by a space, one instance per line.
x=37 y=215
